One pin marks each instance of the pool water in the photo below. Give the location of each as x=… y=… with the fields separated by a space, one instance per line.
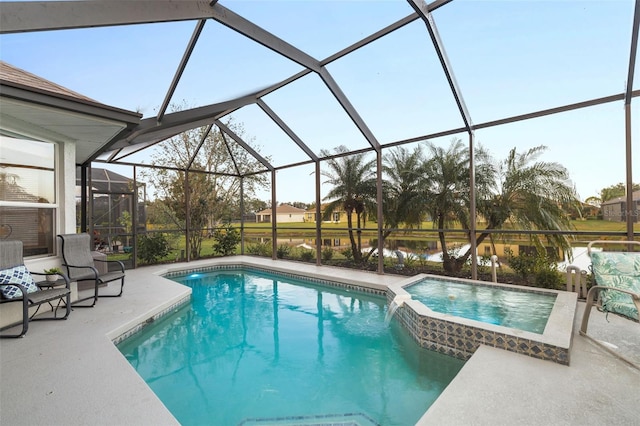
x=254 y=347
x=523 y=310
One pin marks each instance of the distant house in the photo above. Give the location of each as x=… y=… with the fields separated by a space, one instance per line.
x=284 y=213
x=337 y=216
x=615 y=210
x=587 y=210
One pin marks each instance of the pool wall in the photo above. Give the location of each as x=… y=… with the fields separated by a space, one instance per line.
x=461 y=337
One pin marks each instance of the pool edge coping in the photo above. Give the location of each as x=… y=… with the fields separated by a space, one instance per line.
x=124 y=331
x=558 y=332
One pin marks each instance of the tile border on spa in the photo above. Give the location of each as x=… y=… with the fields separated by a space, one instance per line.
x=461 y=337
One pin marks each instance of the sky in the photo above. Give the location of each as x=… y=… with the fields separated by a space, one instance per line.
x=508 y=57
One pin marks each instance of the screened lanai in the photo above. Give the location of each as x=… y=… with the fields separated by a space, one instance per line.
x=281 y=85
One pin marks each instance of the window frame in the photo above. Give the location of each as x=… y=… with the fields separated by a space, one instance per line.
x=50 y=239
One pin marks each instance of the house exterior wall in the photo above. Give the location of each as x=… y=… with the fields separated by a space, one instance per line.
x=337 y=217
x=281 y=217
x=613 y=212
x=65 y=223
x=286 y=214
x=289 y=217
x=616 y=212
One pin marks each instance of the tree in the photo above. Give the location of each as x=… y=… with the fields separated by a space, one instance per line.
x=226 y=239
x=298 y=204
x=529 y=194
x=254 y=205
x=403 y=200
x=447 y=191
x=354 y=190
x=615 y=191
x=593 y=201
x=519 y=190
x=213 y=186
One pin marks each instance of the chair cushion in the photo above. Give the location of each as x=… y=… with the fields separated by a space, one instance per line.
x=619 y=270
x=16 y=275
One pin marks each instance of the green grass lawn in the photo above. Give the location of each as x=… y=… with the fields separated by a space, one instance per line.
x=307 y=231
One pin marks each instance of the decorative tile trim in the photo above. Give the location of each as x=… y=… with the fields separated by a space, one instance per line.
x=461 y=341
x=215 y=268
x=138 y=327
x=477 y=283
x=307 y=278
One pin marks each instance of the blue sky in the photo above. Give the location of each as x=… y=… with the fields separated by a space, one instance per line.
x=509 y=58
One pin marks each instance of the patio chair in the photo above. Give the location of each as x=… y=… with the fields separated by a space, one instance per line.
x=77 y=259
x=18 y=285
x=617 y=278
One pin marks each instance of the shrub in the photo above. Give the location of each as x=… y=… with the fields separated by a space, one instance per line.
x=327 y=254
x=523 y=264
x=548 y=277
x=283 y=251
x=306 y=255
x=226 y=240
x=152 y=248
x=411 y=260
x=259 y=249
x=539 y=267
x=347 y=253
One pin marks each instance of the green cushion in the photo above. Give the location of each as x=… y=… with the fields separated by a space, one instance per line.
x=619 y=270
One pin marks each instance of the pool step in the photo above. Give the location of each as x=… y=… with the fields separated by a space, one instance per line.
x=348 y=419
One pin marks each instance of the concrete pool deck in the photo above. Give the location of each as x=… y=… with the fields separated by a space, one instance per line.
x=69 y=372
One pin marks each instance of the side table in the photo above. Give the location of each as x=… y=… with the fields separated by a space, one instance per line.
x=44 y=285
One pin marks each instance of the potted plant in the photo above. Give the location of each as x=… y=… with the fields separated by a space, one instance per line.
x=53 y=274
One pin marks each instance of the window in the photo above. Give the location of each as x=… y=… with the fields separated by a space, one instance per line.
x=336 y=216
x=28 y=201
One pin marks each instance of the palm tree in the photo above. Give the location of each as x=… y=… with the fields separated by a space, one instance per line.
x=520 y=190
x=530 y=194
x=354 y=189
x=404 y=202
x=447 y=190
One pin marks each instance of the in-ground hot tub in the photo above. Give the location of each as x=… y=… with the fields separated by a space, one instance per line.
x=500 y=323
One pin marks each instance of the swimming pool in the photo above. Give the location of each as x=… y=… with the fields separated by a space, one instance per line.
x=447 y=320
x=523 y=310
x=254 y=348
